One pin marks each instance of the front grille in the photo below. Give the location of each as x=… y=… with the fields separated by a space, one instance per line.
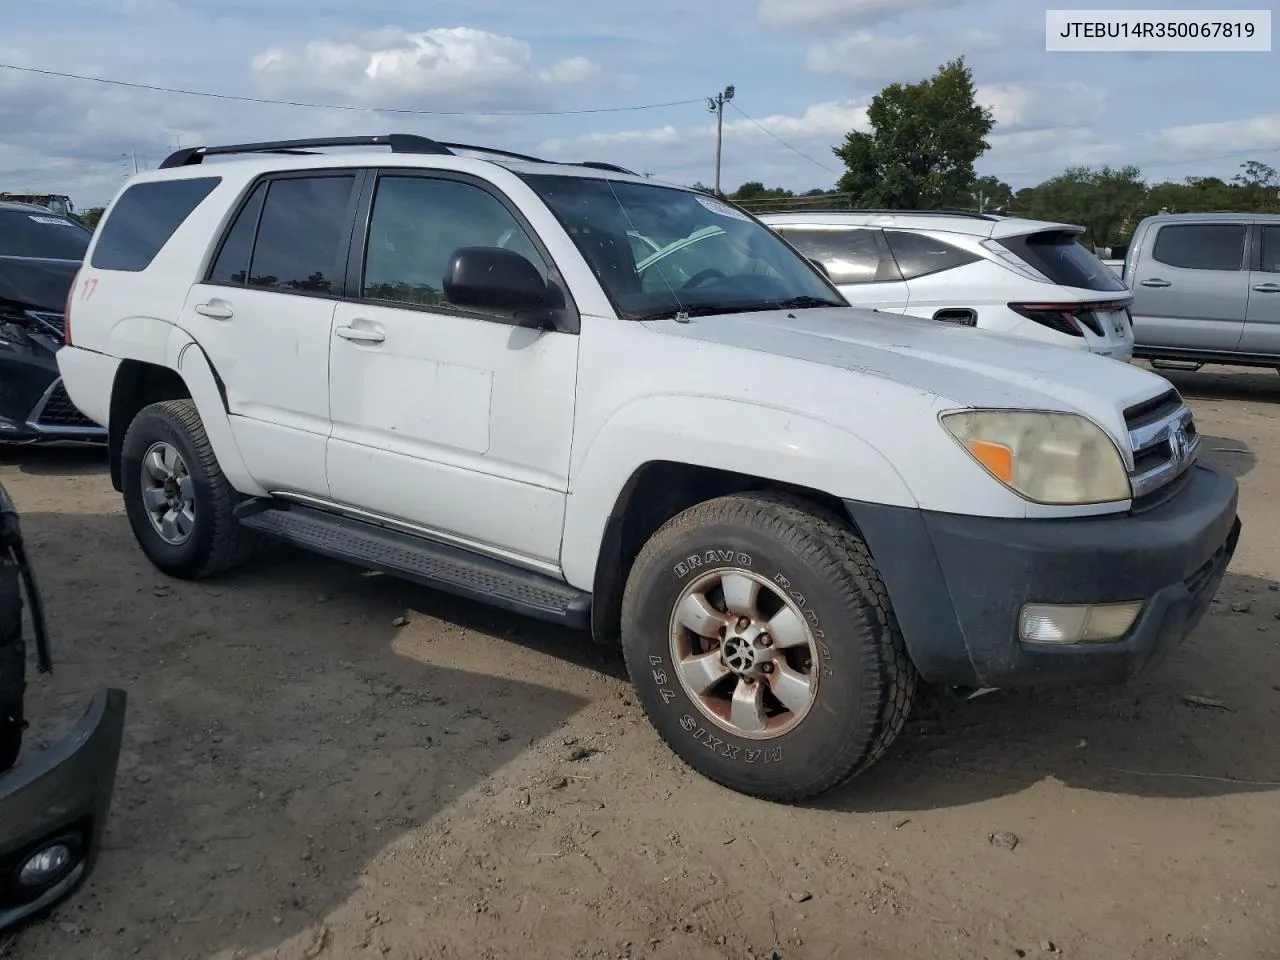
x=1164 y=441
x=59 y=411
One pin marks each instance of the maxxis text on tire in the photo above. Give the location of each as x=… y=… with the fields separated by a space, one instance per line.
x=788 y=588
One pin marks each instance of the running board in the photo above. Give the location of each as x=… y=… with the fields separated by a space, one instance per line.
x=428 y=562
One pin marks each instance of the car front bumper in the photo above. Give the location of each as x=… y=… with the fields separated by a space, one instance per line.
x=958 y=583
x=53 y=418
x=59 y=795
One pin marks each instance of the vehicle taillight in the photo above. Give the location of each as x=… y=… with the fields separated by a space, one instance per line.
x=1068 y=318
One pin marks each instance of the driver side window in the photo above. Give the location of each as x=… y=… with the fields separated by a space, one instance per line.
x=416 y=225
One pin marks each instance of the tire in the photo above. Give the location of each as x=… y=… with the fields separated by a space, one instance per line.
x=214 y=541
x=13 y=664
x=814 y=579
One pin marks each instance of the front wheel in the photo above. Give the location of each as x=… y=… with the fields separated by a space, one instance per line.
x=763 y=647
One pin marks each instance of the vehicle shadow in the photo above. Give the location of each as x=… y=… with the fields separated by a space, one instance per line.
x=1226 y=383
x=1191 y=727
x=1234 y=456
x=63 y=459
x=278 y=738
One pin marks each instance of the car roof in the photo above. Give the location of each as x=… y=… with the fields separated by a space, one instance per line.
x=1218 y=217
x=972 y=224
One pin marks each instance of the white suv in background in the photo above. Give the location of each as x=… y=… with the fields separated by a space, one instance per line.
x=1008 y=275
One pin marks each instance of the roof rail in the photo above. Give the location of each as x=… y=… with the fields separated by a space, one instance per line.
x=905 y=213
x=398 y=142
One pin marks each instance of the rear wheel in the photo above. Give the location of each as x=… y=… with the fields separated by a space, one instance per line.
x=763 y=646
x=179 y=503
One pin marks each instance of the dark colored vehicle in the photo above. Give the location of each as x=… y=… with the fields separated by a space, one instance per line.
x=40 y=253
x=53 y=802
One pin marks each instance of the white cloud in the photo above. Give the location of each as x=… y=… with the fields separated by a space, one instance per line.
x=1042 y=106
x=834 y=14
x=1260 y=132
x=864 y=55
x=457 y=66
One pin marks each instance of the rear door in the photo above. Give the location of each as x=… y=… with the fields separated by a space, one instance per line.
x=1262 y=319
x=939 y=286
x=1191 y=287
x=263 y=313
x=857 y=260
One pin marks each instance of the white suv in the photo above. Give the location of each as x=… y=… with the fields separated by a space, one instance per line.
x=1028 y=278
x=785 y=510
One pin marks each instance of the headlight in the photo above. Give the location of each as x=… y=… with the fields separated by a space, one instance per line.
x=1052 y=458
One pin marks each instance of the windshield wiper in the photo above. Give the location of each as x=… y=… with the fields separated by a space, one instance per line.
x=804 y=303
x=702 y=310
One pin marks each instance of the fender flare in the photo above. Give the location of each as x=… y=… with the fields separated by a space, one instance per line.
x=758 y=441
x=183 y=355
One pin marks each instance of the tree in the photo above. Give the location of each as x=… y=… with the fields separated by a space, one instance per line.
x=91 y=217
x=1104 y=201
x=924 y=140
x=702 y=188
x=755 y=190
x=990 y=193
x=1255 y=173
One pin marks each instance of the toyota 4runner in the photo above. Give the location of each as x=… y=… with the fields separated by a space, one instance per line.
x=454 y=365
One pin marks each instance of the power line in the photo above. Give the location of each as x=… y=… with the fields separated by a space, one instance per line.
x=798 y=153
x=155 y=88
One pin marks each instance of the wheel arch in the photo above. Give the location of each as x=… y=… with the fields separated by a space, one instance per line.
x=182 y=370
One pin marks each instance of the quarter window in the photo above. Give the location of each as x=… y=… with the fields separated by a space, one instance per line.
x=416 y=226
x=919 y=256
x=1201 y=246
x=144 y=218
x=300 y=235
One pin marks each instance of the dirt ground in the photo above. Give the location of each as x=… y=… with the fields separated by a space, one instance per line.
x=302 y=779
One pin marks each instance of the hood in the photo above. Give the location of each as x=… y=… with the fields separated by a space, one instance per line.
x=37 y=283
x=964 y=366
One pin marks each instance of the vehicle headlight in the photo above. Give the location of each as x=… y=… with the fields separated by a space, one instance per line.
x=1051 y=458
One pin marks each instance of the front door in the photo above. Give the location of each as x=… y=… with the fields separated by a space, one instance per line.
x=263 y=315
x=456 y=422
x=1262 y=322
x=1192 y=289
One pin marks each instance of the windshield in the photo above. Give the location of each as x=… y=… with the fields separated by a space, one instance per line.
x=36 y=234
x=660 y=251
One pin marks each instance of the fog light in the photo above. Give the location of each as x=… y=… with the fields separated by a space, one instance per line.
x=1083 y=623
x=46 y=865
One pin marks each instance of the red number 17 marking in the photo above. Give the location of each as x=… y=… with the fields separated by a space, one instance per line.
x=90 y=284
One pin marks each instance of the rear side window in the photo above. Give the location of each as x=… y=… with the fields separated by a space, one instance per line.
x=850 y=255
x=1201 y=246
x=1270 y=262
x=143 y=220
x=919 y=256
x=302 y=230
x=1061 y=258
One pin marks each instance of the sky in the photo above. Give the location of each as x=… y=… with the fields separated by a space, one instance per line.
x=804 y=72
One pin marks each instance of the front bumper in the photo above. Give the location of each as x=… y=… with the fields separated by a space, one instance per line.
x=53 y=418
x=60 y=794
x=958 y=583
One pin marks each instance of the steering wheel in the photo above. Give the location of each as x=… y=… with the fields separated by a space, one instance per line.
x=701 y=277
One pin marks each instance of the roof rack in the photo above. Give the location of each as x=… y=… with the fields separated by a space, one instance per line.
x=398 y=142
x=973 y=215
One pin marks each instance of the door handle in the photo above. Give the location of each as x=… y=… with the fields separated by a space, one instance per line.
x=1156 y=282
x=215 y=309
x=361 y=334
x=1266 y=287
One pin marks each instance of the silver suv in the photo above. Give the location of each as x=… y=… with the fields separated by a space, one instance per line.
x=1206 y=289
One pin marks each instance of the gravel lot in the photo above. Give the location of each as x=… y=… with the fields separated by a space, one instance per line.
x=305 y=775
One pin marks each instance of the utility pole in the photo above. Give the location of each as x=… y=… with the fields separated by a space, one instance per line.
x=716 y=105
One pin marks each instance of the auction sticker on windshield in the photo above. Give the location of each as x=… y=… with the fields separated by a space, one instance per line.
x=715 y=206
x=56 y=221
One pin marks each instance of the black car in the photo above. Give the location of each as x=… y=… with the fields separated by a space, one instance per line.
x=40 y=253
x=53 y=802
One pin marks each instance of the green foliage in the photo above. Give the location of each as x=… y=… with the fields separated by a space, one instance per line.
x=1103 y=201
x=755 y=190
x=924 y=140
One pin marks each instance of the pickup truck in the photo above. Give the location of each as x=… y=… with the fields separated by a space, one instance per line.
x=457 y=365
x=1206 y=289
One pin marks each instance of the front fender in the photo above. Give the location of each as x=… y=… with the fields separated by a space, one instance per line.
x=758 y=441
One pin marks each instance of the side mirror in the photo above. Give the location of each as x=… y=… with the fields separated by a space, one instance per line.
x=492 y=278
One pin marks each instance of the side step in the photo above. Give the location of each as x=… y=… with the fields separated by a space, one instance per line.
x=428 y=562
